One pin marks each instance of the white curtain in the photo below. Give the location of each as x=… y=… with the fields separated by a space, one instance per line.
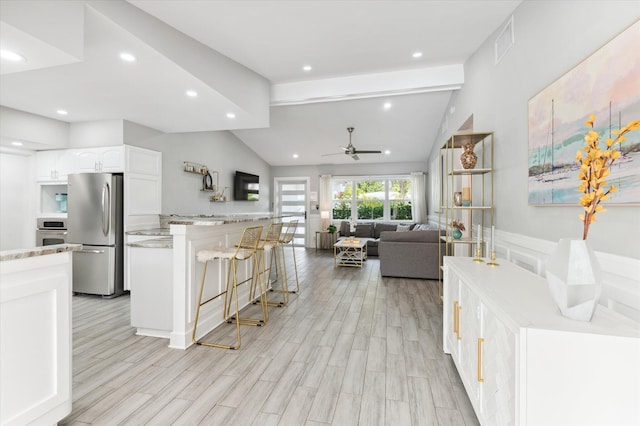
x=325 y=195
x=418 y=197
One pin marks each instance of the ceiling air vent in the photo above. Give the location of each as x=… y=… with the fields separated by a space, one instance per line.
x=505 y=40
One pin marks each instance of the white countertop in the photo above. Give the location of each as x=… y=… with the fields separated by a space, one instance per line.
x=38 y=251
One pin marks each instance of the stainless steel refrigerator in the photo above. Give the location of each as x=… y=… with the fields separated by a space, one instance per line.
x=94 y=209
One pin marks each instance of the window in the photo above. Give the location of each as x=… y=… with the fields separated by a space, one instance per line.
x=387 y=198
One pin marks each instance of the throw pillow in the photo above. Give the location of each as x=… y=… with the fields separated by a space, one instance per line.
x=345 y=228
x=363 y=231
x=379 y=227
x=403 y=228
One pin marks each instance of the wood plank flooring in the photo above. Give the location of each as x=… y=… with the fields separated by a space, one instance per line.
x=352 y=348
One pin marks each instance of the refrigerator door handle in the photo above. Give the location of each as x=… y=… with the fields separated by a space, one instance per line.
x=91 y=251
x=106 y=209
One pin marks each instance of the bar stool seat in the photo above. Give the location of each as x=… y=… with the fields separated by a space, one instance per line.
x=244 y=251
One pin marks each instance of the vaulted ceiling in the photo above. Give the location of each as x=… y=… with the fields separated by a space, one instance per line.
x=246 y=58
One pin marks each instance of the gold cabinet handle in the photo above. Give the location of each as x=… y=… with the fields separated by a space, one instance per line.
x=455 y=318
x=459 y=309
x=480 y=345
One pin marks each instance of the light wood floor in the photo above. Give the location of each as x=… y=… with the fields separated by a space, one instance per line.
x=352 y=348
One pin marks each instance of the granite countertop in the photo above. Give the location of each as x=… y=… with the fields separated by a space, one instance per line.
x=153 y=243
x=150 y=232
x=213 y=220
x=38 y=251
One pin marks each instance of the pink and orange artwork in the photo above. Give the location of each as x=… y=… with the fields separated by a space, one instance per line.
x=606 y=84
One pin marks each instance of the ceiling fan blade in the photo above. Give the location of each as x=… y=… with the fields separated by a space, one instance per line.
x=355 y=156
x=335 y=153
x=368 y=152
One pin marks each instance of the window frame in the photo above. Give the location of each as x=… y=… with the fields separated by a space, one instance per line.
x=387 y=180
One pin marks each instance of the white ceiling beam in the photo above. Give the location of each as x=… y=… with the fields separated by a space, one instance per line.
x=447 y=77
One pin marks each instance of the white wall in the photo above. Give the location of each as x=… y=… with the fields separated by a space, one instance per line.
x=17 y=201
x=550 y=39
x=220 y=151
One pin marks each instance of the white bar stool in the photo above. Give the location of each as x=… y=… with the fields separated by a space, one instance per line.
x=269 y=247
x=287 y=239
x=245 y=250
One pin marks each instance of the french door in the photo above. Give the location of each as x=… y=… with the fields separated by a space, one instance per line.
x=291 y=199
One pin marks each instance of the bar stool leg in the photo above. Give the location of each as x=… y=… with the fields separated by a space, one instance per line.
x=277 y=258
x=234 y=292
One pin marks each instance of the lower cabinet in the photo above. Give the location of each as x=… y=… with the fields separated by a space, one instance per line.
x=522 y=363
x=483 y=349
x=150 y=274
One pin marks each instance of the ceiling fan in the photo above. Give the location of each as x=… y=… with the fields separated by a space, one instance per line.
x=352 y=151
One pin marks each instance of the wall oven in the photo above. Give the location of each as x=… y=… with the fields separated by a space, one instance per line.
x=51 y=231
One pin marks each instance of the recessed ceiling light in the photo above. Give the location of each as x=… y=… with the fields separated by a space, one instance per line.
x=231 y=115
x=12 y=56
x=127 y=57
x=16 y=143
x=307 y=68
x=191 y=93
x=417 y=55
x=387 y=105
x=295 y=155
x=62 y=112
x=387 y=152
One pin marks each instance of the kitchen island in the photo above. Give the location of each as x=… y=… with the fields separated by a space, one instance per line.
x=189 y=234
x=35 y=321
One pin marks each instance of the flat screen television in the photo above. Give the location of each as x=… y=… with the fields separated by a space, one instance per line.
x=246 y=187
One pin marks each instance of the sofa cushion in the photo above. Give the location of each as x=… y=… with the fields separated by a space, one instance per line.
x=379 y=227
x=432 y=236
x=403 y=228
x=345 y=228
x=364 y=230
x=424 y=227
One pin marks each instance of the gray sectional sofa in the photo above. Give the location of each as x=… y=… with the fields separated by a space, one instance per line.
x=410 y=254
x=368 y=231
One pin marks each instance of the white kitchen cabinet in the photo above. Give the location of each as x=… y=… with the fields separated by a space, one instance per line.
x=523 y=363
x=109 y=159
x=151 y=273
x=35 y=348
x=143 y=183
x=53 y=165
x=56 y=165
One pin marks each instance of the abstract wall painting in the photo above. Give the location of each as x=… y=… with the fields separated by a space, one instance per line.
x=606 y=84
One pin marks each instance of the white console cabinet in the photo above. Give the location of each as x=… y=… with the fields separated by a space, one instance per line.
x=522 y=363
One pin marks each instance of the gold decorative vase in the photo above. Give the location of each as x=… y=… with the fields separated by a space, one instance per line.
x=468 y=159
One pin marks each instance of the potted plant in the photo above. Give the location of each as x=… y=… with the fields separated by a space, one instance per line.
x=332 y=229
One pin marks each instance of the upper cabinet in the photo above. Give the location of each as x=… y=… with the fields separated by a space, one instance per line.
x=56 y=165
x=108 y=159
x=53 y=165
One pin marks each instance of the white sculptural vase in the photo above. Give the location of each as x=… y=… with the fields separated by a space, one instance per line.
x=574 y=279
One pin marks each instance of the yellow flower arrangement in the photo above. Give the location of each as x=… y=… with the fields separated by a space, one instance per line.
x=595 y=167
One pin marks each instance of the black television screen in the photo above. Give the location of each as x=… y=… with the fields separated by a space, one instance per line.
x=246 y=187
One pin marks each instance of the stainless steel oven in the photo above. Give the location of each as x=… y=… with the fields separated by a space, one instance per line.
x=51 y=231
